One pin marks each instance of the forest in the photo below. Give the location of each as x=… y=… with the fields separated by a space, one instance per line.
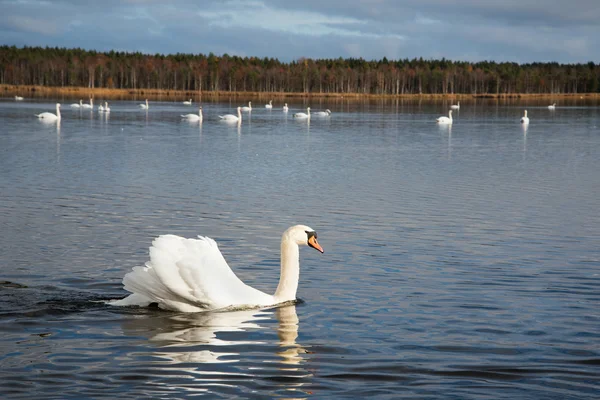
x=61 y=67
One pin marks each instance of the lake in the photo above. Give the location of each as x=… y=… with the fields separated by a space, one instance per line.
x=460 y=263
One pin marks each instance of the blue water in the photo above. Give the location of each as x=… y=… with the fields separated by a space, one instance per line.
x=460 y=263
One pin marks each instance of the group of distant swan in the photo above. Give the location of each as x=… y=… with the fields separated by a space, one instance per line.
x=443 y=120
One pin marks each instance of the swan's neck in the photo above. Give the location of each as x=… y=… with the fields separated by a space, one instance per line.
x=240 y=114
x=290 y=271
x=58 y=111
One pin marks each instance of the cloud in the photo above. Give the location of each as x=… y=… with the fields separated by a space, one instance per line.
x=511 y=30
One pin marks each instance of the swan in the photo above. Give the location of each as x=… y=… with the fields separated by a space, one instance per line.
x=191 y=275
x=285 y=108
x=90 y=106
x=552 y=106
x=47 y=116
x=455 y=106
x=19 y=98
x=144 y=106
x=77 y=105
x=100 y=107
x=445 y=120
x=301 y=115
x=188 y=103
x=525 y=119
x=270 y=105
x=106 y=108
x=231 y=117
x=194 y=117
x=325 y=113
x=248 y=108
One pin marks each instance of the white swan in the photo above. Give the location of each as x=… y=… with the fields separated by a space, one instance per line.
x=144 y=106
x=285 y=108
x=270 y=105
x=77 y=105
x=302 y=115
x=48 y=116
x=325 y=113
x=19 y=98
x=231 y=117
x=445 y=120
x=194 y=117
x=552 y=106
x=90 y=106
x=100 y=107
x=525 y=119
x=247 y=108
x=106 y=108
x=455 y=106
x=188 y=103
x=191 y=275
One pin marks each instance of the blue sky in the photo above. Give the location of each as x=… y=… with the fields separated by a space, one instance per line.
x=468 y=30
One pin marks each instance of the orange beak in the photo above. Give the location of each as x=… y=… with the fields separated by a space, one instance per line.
x=312 y=242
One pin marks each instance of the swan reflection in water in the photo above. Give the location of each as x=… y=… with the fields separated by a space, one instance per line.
x=205 y=337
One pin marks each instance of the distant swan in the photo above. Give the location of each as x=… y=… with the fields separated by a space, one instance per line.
x=231 y=117
x=100 y=107
x=325 y=113
x=194 y=117
x=90 y=106
x=285 y=108
x=524 y=119
x=191 y=275
x=455 y=106
x=445 y=120
x=77 y=105
x=144 y=106
x=270 y=105
x=106 y=108
x=247 y=108
x=188 y=103
x=552 y=106
x=19 y=98
x=48 y=116
x=302 y=115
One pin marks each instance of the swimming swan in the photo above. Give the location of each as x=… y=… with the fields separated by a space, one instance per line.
x=90 y=106
x=100 y=107
x=77 y=105
x=247 y=108
x=525 y=119
x=191 y=275
x=48 y=116
x=445 y=120
x=285 y=108
x=325 y=113
x=194 y=117
x=552 y=106
x=188 y=103
x=302 y=115
x=106 y=109
x=455 y=106
x=19 y=98
x=231 y=117
x=270 y=105
x=144 y=106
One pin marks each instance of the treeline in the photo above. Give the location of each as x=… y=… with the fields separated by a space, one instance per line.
x=61 y=67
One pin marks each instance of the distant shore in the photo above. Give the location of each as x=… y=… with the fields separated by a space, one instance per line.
x=125 y=94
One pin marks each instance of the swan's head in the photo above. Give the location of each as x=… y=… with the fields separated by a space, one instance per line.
x=303 y=235
x=328 y=111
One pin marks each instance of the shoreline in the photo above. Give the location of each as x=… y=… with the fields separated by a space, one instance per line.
x=136 y=94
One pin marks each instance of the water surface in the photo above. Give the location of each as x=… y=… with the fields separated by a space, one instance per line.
x=459 y=262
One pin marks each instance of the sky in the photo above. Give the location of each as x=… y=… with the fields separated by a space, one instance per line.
x=522 y=31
